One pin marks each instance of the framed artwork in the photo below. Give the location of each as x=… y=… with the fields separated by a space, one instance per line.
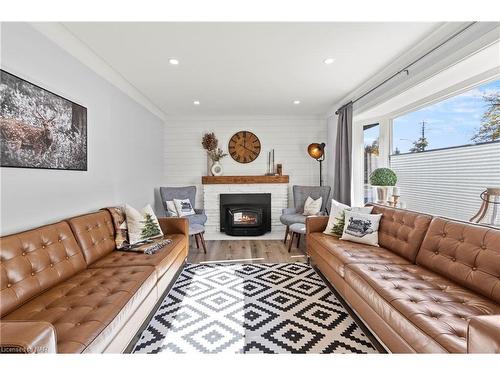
x=40 y=129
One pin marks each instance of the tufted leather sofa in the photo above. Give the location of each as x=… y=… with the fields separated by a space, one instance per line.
x=433 y=285
x=65 y=288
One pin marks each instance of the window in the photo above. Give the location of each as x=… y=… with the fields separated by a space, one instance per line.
x=447 y=154
x=469 y=118
x=371 y=135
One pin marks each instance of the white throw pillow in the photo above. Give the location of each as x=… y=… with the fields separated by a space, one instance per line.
x=335 y=226
x=361 y=228
x=184 y=207
x=171 y=208
x=312 y=207
x=142 y=225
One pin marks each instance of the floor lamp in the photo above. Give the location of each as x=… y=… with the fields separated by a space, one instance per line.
x=317 y=151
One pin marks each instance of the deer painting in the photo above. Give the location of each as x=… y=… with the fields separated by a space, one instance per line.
x=40 y=129
x=20 y=135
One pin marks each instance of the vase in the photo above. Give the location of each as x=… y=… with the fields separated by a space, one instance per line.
x=216 y=168
x=382 y=194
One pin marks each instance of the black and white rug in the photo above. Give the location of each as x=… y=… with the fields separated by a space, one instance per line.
x=251 y=308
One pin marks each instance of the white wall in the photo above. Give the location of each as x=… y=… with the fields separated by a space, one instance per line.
x=186 y=161
x=125 y=141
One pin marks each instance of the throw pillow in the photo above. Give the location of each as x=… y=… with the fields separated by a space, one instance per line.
x=336 y=221
x=184 y=207
x=171 y=209
x=142 y=225
x=312 y=206
x=120 y=225
x=361 y=228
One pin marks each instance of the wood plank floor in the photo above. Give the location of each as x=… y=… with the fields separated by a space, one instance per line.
x=247 y=251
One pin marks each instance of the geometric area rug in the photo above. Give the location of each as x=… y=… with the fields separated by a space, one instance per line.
x=251 y=308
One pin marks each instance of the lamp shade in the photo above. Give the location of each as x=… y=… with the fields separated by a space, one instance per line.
x=316 y=150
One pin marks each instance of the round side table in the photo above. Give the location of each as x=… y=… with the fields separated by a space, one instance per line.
x=296 y=230
x=197 y=230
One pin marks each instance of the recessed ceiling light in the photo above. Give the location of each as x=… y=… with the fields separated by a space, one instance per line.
x=196 y=102
x=296 y=102
x=173 y=61
x=329 y=61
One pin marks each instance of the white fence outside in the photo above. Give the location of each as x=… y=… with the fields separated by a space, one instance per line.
x=447 y=182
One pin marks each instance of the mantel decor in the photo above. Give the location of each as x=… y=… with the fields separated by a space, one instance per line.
x=40 y=129
x=210 y=142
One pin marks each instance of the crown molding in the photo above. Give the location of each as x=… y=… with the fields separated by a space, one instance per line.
x=61 y=36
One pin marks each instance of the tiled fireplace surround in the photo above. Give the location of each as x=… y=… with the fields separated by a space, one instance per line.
x=211 y=192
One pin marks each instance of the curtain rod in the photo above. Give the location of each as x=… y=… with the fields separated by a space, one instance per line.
x=405 y=69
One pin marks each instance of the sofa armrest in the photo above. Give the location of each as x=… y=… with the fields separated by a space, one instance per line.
x=18 y=336
x=174 y=225
x=316 y=223
x=483 y=334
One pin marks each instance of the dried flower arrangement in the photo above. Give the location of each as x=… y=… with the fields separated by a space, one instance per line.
x=209 y=142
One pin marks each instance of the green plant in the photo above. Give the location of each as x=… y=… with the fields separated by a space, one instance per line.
x=383 y=177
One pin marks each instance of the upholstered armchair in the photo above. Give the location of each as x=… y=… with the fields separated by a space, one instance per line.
x=184 y=192
x=300 y=193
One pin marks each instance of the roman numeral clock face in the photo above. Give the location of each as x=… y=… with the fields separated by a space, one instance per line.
x=244 y=147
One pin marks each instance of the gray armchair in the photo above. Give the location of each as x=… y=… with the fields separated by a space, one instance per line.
x=300 y=193
x=184 y=192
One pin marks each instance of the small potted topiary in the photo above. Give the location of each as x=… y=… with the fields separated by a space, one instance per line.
x=382 y=179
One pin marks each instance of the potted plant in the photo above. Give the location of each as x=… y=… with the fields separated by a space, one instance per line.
x=382 y=179
x=209 y=142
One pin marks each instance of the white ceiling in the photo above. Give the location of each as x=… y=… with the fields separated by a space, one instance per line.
x=248 y=68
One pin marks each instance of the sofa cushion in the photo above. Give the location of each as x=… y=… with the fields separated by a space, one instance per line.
x=81 y=307
x=339 y=253
x=160 y=260
x=95 y=234
x=401 y=231
x=436 y=306
x=34 y=261
x=465 y=253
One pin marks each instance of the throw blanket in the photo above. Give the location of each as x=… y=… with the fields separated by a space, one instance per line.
x=150 y=247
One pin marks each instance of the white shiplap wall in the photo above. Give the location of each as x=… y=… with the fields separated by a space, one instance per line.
x=185 y=160
x=448 y=182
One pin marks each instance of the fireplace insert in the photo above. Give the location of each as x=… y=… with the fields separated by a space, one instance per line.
x=245 y=214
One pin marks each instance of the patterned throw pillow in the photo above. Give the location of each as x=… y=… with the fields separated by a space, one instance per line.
x=142 y=225
x=312 y=206
x=336 y=221
x=120 y=224
x=171 y=209
x=183 y=207
x=361 y=228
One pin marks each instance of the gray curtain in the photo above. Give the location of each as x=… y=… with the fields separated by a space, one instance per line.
x=343 y=156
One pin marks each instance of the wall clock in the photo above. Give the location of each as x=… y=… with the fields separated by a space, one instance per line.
x=244 y=147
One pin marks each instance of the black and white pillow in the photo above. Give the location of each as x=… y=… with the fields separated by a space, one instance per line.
x=183 y=207
x=361 y=228
x=335 y=226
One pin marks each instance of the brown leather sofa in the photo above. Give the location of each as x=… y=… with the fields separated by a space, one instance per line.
x=65 y=288
x=433 y=285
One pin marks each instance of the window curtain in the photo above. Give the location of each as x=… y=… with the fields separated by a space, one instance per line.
x=343 y=156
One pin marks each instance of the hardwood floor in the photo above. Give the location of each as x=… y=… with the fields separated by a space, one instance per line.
x=247 y=251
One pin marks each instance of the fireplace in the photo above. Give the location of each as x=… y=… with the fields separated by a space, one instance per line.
x=245 y=214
